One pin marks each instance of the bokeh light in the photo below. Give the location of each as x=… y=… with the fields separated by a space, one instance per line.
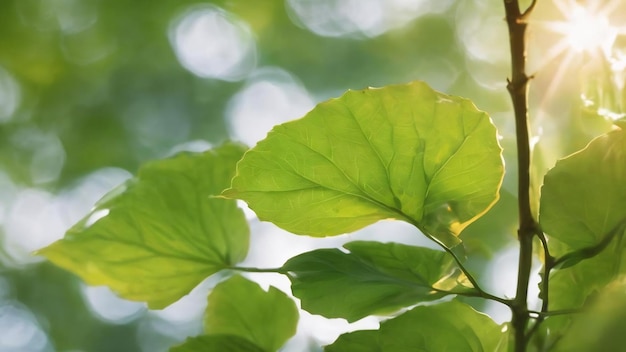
x=359 y=18
x=271 y=96
x=106 y=305
x=478 y=26
x=10 y=95
x=19 y=330
x=69 y=16
x=212 y=43
x=35 y=218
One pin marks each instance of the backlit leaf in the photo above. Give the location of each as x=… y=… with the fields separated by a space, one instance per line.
x=450 y=326
x=221 y=343
x=164 y=232
x=601 y=326
x=373 y=278
x=403 y=151
x=583 y=205
x=241 y=308
x=583 y=197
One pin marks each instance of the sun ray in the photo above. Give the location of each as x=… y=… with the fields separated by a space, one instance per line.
x=576 y=33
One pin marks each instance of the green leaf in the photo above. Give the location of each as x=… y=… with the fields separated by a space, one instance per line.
x=403 y=151
x=373 y=278
x=583 y=197
x=583 y=211
x=164 y=232
x=601 y=326
x=450 y=326
x=240 y=307
x=587 y=276
x=217 y=343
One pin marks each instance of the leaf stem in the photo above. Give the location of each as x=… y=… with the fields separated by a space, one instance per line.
x=592 y=251
x=260 y=270
x=518 y=89
x=479 y=291
x=549 y=264
x=540 y=315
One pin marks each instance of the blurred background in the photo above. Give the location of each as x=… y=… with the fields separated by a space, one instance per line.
x=90 y=89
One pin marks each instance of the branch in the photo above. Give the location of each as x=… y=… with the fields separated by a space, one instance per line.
x=518 y=89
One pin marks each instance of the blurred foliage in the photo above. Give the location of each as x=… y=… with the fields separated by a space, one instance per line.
x=97 y=84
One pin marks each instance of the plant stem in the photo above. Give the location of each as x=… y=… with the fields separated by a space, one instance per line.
x=479 y=291
x=518 y=89
x=259 y=270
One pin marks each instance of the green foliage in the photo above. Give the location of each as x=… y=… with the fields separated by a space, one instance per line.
x=588 y=223
x=241 y=308
x=450 y=326
x=403 y=152
x=373 y=278
x=222 y=343
x=77 y=96
x=585 y=217
x=601 y=327
x=164 y=233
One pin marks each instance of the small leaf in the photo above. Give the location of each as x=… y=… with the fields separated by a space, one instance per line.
x=583 y=196
x=164 y=232
x=373 y=278
x=217 y=343
x=450 y=326
x=403 y=152
x=240 y=307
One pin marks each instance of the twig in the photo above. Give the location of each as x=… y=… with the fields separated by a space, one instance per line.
x=549 y=264
x=518 y=89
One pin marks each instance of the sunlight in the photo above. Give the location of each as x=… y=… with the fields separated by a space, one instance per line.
x=578 y=44
x=585 y=30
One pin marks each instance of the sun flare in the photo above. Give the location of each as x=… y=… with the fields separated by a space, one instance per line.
x=585 y=28
x=580 y=41
x=586 y=31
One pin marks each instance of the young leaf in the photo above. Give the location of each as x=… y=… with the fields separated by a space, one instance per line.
x=164 y=232
x=241 y=308
x=221 y=343
x=450 y=326
x=373 y=278
x=403 y=151
x=583 y=197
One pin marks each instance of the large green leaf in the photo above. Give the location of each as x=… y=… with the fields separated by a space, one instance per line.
x=217 y=343
x=241 y=308
x=450 y=326
x=164 y=232
x=403 y=152
x=583 y=197
x=373 y=278
x=583 y=209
